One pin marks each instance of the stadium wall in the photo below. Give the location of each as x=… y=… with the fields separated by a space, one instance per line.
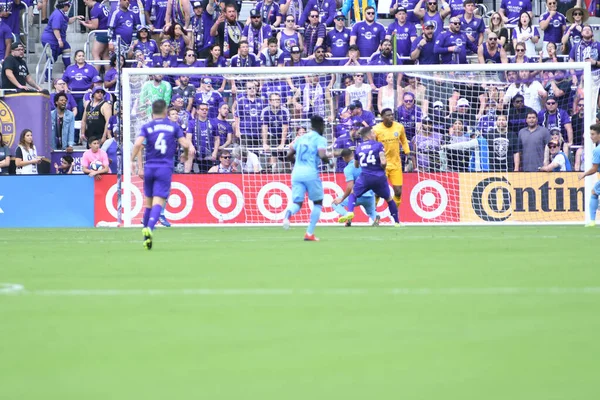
x=438 y=197
x=51 y=201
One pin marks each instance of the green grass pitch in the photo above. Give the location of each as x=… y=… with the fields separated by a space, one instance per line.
x=256 y=313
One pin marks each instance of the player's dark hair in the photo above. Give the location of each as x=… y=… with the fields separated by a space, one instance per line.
x=595 y=128
x=317 y=123
x=364 y=131
x=159 y=106
x=346 y=153
x=68 y=159
x=386 y=110
x=58 y=96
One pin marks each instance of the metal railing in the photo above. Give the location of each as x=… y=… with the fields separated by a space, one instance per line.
x=86 y=45
x=47 y=68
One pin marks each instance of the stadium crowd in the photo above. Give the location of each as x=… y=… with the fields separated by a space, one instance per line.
x=514 y=121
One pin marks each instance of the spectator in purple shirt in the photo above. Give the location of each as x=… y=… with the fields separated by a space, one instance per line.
x=121 y=23
x=325 y=9
x=269 y=12
x=289 y=36
x=409 y=115
x=432 y=14
x=360 y=116
x=79 y=77
x=207 y=95
x=338 y=39
x=55 y=33
x=554 y=25
x=472 y=25
x=511 y=10
x=314 y=34
x=144 y=43
x=409 y=6
x=367 y=34
x=256 y=33
x=451 y=45
x=156 y=11
x=248 y=127
x=6 y=39
x=577 y=16
x=10 y=15
x=61 y=86
x=422 y=47
x=554 y=117
x=201 y=22
x=404 y=32
x=384 y=57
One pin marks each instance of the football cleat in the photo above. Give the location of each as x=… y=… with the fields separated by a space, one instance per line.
x=399 y=225
x=147 y=238
x=347 y=217
x=348 y=224
x=591 y=224
x=163 y=221
x=376 y=222
x=310 y=238
x=286 y=224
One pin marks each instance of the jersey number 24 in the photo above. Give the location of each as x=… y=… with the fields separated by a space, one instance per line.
x=366 y=159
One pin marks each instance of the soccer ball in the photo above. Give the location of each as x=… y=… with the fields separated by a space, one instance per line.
x=95 y=165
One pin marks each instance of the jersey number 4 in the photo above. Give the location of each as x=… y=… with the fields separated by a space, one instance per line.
x=161 y=143
x=366 y=159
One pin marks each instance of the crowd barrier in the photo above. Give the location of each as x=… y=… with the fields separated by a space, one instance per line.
x=79 y=201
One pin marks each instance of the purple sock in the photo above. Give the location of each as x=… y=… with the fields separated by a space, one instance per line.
x=351 y=202
x=146 y=216
x=393 y=210
x=154 y=214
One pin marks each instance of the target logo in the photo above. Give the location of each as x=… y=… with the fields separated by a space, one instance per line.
x=429 y=199
x=331 y=191
x=272 y=200
x=137 y=201
x=225 y=200
x=176 y=202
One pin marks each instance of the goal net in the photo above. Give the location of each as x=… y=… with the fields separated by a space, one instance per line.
x=468 y=161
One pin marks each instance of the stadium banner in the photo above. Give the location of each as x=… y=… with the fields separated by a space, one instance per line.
x=59 y=201
x=522 y=197
x=26 y=111
x=263 y=198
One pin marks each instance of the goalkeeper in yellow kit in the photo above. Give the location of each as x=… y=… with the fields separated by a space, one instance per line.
x=392 y=135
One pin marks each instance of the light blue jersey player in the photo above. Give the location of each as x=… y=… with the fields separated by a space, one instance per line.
x=160 y=137
x=595 y=135
x=308 y=150
x=367 y=200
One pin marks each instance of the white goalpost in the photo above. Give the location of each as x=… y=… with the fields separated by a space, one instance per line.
x=460 y=176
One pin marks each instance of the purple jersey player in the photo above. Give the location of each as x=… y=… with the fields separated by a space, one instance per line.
x=370 y=157
x=161 y=136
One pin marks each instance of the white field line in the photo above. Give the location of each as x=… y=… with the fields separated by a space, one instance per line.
x=17 y=289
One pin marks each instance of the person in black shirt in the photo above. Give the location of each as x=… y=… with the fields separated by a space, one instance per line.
x=15 y=74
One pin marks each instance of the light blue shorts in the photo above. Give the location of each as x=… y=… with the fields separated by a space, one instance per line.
x=314 y=188
x=367 y=202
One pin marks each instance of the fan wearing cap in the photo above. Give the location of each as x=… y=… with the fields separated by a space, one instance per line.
x=359 y=115
x=337 y=40
x=97 y=82
x=257 y=33
x=96 y=116
x=409 y=6
x=559 y=162
x=144 y=43
x=368 y=34
x=464 y=113
x=404 y=32
x=421 y=50
x=121 y=23
x=207 y=95
x=587 y=50
x=55 y=33
x=426 y=146
x=15 y=74
x=554 y=25
x=98 y=21
x=577 y=16
x=553 y=117
x=200 y=23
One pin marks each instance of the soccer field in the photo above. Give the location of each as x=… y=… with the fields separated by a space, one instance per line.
x=256 y=313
